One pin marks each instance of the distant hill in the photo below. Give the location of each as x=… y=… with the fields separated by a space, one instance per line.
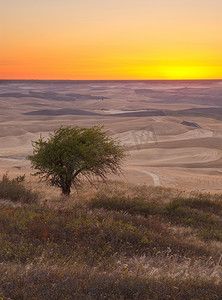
x=191 y=124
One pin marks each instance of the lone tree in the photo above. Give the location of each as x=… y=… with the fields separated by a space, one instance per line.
x=73 y=153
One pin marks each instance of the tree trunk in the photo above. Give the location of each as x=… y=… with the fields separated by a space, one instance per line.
x=66 y=189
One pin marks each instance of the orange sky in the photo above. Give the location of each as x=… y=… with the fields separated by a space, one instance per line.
x=118 y=39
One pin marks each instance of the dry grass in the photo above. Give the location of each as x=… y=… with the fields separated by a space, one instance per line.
x=139 y=278
x=111 y=241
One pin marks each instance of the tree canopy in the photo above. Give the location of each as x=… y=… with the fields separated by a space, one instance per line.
x=71 y=154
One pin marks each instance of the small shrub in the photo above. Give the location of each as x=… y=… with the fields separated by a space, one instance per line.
x=201 y=201
x=132 y=206
x=211 y=234
x=178 y=211
x=12 y=189
x=20 y=178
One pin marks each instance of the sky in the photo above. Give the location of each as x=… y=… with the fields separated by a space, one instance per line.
x=111 y=39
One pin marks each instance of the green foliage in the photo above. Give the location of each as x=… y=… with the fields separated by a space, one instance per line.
x=12 y=189
x=71 y=154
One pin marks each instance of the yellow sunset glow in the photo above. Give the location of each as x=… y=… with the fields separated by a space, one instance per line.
x=189 y=72
x=119 y=39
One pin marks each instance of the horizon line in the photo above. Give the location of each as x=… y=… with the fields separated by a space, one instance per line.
x=201 y=79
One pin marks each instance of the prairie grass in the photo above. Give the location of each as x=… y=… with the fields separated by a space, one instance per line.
x=112 y=241
x=44 y=281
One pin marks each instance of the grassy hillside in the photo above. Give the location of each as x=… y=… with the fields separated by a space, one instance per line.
x=114 y=242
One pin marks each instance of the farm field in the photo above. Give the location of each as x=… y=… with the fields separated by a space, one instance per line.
x=172 y=130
